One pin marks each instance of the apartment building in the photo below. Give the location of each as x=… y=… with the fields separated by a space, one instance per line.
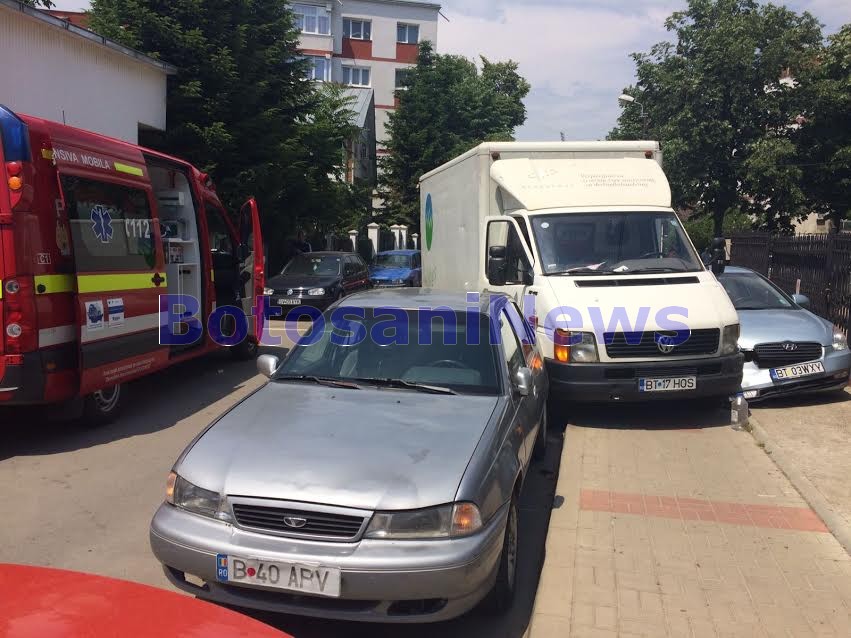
x=365 y=43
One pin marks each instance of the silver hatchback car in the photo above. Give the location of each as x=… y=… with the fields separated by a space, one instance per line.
x=376 y=475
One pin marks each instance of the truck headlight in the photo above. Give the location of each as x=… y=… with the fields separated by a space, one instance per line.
x=446 y=521
x=183 y=494
x=316 y=292
x=583 y=348
x=840 y=341
x=730 y=339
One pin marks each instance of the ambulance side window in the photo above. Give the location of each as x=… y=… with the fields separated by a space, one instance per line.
x=111 y=225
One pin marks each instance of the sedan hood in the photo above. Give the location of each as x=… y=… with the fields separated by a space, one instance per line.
x=282 y=283
x=389 y=273
x=772 y=326
x=373 y=449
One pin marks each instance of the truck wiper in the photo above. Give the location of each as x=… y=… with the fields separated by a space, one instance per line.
x=400 y=383
x=326 y=381
x=650 y=269
x=582 y=270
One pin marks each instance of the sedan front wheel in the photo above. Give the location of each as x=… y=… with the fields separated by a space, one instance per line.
x=501 y=596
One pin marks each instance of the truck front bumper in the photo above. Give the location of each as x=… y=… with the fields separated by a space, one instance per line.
x=592 y=382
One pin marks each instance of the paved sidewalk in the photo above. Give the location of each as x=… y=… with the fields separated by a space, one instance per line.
x=814 y=434
x=683 y=532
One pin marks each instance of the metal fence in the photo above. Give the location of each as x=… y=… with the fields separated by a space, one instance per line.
x=817 y=265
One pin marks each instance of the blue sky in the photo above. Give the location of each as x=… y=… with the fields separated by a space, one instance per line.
x=575 y=54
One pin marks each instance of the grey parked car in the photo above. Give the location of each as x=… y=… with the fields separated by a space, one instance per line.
x=788 y=349
x=375 y=477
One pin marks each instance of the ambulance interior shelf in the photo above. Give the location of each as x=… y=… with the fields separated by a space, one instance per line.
x=179 y=230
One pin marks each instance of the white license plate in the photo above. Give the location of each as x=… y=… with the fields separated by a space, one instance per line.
x=669 y=384
x=289 y=302
x=307 y=579
x=796 y=371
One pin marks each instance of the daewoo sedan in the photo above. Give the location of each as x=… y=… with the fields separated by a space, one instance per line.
x=787 y=348
x=375 y=476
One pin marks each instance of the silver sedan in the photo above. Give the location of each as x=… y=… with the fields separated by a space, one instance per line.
x=788 y=349
x=376 y=475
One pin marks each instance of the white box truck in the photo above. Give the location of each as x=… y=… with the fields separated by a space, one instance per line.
x=583 y=236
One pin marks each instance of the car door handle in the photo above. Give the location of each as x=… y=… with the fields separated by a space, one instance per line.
x=157 y=279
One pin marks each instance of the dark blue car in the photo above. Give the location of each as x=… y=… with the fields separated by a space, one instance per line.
x=396 y=269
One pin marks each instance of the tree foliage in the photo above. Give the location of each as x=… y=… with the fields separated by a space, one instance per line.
x=447 y=107
x=825 y=134
x=239 y=106
x=718 y=101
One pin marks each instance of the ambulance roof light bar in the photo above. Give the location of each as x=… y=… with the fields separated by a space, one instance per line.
x=15 y=136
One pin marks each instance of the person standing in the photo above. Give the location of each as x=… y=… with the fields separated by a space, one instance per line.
x=301 y=245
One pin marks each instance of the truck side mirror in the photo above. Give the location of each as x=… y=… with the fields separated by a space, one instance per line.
x=719 y=255
x=497 y=265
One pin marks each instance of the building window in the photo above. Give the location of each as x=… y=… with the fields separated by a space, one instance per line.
x=355 y=76
x=407 y=33
x=312 y=19
x=357 y=29
x=319 y=68
x=402 y=78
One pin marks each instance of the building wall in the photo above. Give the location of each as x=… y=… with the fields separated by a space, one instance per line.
x=382 y=55
x=47 y=70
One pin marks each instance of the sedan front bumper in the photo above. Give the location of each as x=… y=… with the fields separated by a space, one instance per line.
x=382 y=581
x=757 y=383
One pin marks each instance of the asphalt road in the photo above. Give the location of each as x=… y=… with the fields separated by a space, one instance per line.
x=82 y=499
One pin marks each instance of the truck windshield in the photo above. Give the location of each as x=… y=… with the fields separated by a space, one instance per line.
x=580 y=244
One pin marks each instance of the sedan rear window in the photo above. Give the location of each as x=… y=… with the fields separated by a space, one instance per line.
x=440 y=348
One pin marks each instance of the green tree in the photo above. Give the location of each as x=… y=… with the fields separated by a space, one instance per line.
x=825 y=134
x=447 y=107
x=717 y=101
x=240 y=106
x=701 y=228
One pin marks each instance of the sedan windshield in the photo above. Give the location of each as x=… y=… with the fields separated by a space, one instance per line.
x=314 y=265
x=606 y=243
x=439 y=349
x=393 y=261
x=752 y=292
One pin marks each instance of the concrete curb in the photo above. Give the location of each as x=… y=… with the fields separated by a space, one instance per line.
x=835 y=523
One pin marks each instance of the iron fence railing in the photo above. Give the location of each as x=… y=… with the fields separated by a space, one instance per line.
x=818 y=266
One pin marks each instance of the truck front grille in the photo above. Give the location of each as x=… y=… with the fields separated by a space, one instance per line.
x=645 y=345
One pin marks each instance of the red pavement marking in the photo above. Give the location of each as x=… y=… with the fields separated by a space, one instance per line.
x=695 y=509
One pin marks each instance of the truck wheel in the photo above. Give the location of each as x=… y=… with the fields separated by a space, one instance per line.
x=499 y=598
x=104 y=406
x=540 y=450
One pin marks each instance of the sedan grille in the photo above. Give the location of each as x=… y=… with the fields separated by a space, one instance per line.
x=787 y=353
x=298 y=522
x=644 y=345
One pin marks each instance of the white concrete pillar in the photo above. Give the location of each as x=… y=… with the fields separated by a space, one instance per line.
x=403 y=231
x=416 y=239
x=395 y=230
x=372 y=232
x=353 y=237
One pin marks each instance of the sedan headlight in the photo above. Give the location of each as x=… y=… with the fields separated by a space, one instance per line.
x=840 y=341
x=268 y=291
x=730 y=339
x=316 y=292
x=583 y=348
x=446 y=521
x=183 y=494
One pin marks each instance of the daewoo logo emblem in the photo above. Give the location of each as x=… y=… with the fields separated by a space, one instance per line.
x=295 y=522
x=665 y=344
x=790 y=347
x=290 y=291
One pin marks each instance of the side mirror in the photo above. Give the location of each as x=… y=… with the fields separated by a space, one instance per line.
x=719 y=255
x=267 y=364
x=802 y=300
x=523 y=381
x=497 y=265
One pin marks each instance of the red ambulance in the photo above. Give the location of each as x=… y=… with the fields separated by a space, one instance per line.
x=93 y=231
